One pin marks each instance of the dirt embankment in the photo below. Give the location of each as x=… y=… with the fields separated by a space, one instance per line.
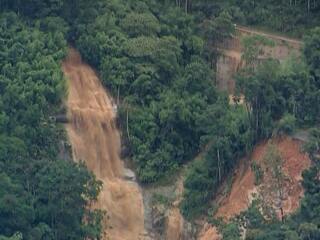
x=231 y=50
x=209 y=232
x=244 y=189
x=96 y=141
x=164 y=220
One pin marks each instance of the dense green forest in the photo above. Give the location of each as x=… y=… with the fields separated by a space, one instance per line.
x=153 y=62
x=292 y=17
x=35 y=185
x=156 y=58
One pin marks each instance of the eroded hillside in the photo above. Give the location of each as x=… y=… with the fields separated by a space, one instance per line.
x=96 y=141
x=246 y=187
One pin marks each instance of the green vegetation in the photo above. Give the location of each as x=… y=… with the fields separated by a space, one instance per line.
x=302 y=225
x=157 y=59
x=153 y=60
x=281 y=97
x=162 y=200
x=312 y=147
x=41 y=196
x=287 y=16
x=231 y=232
x=229 y=138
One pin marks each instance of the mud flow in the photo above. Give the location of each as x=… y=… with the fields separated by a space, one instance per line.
x=96 y=141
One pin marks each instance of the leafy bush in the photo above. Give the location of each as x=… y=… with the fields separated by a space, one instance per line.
x=286 y=125
x=231 y=232
x=141 y=46
x=136 y=24
x=199 y=186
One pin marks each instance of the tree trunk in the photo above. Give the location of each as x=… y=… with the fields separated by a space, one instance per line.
x=128 y=124
x=219 y=165
x=118 y=96
x=186 y=6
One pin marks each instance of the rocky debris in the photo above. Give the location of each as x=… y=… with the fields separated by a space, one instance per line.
x=65 y=152
x=159 y=219
x=163 y=220
x=302 y=135
x=147 y=236
x=189 y=231
x=60 y=118
x=153 y=214
x=177 y=228
x=129 y=175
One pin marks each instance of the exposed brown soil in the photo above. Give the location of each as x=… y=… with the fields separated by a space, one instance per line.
x=209 y=232
x=243 y=187
x=229 y=61
x=175 y=221
x=174 y=224
x=96 y=141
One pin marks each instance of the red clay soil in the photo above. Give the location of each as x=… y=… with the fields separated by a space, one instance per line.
x=241 y=194
x=209 y=232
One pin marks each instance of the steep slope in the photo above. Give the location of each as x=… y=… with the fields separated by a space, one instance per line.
x=244 y=188
x=231 y=50
x=96 y=141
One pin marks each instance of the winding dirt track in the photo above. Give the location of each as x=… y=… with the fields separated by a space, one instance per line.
x=268 y=35
x=96 y=141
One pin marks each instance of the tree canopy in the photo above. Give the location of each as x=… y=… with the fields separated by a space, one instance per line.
x=158 y=60
x=41 y=195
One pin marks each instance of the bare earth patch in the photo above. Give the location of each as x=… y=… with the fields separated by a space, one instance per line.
x=243 y=187
x=209 y=233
